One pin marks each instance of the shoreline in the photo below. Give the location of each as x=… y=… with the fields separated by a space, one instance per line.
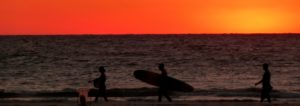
x=142 y=103
x=149 y=95
x=144 y=92
x=149 y=99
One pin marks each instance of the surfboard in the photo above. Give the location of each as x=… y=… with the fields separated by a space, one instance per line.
x=154 y=79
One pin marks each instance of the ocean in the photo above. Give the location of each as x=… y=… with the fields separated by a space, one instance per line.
x=215 y=65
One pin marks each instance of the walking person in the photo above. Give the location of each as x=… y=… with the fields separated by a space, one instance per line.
x=163 y=91
x=99 y=83
x=266 y=85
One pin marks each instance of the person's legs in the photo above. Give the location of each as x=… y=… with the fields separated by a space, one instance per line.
x=268 y=96
x=82 y=101
x=262 y=96
x=159 y=95
x=167 y=96
x=96 y=98
x=164 y=92
x=104 y=95
x=97 y=95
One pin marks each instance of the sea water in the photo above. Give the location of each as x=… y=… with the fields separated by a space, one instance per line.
x=207 y=62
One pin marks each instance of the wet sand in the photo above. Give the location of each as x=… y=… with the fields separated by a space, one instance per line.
x=207 y=103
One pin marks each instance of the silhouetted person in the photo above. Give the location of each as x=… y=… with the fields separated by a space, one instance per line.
x=163 y=91
x=266 y=85
x=100 y=84
x=82 y=101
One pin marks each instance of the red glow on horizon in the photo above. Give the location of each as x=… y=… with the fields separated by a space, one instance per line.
x=148 y=16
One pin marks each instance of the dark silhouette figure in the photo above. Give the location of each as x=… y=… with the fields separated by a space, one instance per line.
x=163 y=91
x=266 y=85
x=82 y=101
x=100 y=84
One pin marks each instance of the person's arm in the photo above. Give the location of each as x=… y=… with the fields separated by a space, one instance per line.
x=259 y=82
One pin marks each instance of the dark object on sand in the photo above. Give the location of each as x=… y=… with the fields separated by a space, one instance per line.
x=154 y=79
x=82 y=101
x=82 y=96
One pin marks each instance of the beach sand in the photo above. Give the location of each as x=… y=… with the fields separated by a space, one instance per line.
x=112 y=103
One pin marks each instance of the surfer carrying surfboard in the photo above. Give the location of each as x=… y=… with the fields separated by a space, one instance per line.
x=99 y=83
x=164 y=82
x=163 y=91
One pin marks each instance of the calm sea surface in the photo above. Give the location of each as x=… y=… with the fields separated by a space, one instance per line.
x=55 y=63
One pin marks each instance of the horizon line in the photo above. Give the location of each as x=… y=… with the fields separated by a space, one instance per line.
x=152 y=34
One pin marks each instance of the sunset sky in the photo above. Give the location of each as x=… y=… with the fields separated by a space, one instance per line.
x=148 y=16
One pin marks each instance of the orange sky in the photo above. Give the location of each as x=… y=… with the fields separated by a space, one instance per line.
x=148 y=16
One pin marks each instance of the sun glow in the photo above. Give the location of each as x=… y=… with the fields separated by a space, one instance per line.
x=252 y=21
x=148 y=16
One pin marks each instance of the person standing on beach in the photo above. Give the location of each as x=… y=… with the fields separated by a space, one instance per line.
x=163 y=91
x=99 y=83
x=266 y=85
